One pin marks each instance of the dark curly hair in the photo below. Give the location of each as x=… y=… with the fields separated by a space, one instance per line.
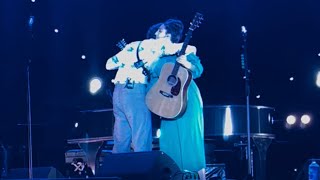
x=151 y=34
x=173 y=26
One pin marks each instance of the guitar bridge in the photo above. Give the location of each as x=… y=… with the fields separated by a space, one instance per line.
x=166 y=94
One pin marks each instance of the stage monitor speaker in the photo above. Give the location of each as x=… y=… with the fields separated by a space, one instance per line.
x=155 y=165
x=38 y=172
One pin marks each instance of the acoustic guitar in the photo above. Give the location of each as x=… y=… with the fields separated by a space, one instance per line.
x=168 y=96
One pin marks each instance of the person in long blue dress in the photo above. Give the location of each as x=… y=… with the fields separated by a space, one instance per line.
x=183 y=138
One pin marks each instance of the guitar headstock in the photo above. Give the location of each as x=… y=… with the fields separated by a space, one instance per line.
x=121 y=44
x=196 y=21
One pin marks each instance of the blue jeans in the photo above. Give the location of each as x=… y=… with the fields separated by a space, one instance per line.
x=132 y=126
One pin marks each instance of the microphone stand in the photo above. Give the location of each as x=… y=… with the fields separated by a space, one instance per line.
x=245 y=68
x=30 y=26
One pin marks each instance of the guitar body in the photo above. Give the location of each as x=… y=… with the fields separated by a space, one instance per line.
x=168 y=96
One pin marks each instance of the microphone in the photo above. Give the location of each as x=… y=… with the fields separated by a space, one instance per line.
x=244 y=32
x=243 y=54
x=243 y=29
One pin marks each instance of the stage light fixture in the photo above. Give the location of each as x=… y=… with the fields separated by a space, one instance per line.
x=56 y=30
x=95 y=85
x=258 y=96
x=76 y=124
x=83 y=57
x=291 y=78
x=33 y=0
x=305 y=119
x=318 y=79
x=228 y=128
x=158 y=133
x=291 y=119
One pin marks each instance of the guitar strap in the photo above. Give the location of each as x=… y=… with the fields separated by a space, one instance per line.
x=140 y=63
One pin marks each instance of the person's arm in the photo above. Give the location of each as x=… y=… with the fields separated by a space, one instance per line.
x=113 y=63
x=162 y=47
x=124 y=57
x=170 y=48
x=193 y=63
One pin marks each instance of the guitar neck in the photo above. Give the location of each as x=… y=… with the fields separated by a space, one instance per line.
x=195 y=23
x=185 y=43
x=182 y=51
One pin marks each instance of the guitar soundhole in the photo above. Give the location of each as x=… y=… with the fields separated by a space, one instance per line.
x=175 y=90
x=172 y=80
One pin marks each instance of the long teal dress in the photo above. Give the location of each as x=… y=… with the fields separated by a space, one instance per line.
x=183 y=138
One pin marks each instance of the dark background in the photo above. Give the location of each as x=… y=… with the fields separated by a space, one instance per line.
x=283 y=42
